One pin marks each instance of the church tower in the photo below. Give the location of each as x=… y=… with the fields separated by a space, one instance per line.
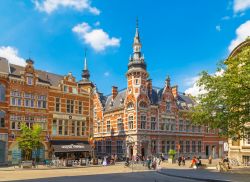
x=137 y=74
x=85 y=83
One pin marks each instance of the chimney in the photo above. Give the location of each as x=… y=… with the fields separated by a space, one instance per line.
x=114 y=92
x=149 y=86
x=175 y=90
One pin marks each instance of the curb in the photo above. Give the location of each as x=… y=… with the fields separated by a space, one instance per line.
x=193 y=178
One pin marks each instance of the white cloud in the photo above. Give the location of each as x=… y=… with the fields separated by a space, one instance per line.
x=194 y=89
x=98 y=39
x=11 y=54
x=50 y=6
x=242 y=32
x=241 y=5
x=106 y=74
x=218 y=28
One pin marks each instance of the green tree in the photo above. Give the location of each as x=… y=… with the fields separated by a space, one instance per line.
x=30 y=139
x=225 y=105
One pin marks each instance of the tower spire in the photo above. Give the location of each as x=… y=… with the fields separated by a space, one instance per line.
x=85 y=60
x=137 y=35
x=85 y=71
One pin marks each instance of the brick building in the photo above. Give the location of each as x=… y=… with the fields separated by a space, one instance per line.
x=60 y=104
x=145 y=120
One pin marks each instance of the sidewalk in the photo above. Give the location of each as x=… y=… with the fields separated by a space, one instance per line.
x=237 y=174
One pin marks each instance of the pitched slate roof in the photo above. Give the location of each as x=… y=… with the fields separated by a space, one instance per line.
x=118 y=102
x=43 y=76
x=184 y=102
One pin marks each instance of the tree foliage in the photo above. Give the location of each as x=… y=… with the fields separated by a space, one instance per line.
x=225 y=105
x=30 y=139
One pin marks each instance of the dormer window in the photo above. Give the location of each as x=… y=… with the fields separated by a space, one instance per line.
x=122 y=101
x=74 y=90
x=130 y=105
x=143 y=105
x=66 y=89
x=30 y=80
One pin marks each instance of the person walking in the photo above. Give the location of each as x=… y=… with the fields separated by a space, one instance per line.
x=179 y=160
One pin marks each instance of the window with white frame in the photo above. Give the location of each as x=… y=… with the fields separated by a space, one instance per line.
x=42 y=101
x=108 y=126
x=143 y=121
x=119 y=124
x=80 y=107
x=180 y=125
x=153 y=123
x=2 y=93
x=58 y=104
x=98 y=127
x=193 y=146
x=15 y=98
x=70 y=106
x=30 y=80
x=29 y=100
x=131 y=122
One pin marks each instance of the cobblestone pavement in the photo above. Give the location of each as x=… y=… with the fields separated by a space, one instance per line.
x=91 y=174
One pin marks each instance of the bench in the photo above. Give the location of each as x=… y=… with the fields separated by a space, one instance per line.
x=26 y=164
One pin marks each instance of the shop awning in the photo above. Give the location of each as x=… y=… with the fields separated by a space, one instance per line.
x=70 y=146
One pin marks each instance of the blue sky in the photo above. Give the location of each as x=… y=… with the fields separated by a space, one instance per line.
x=179 y=38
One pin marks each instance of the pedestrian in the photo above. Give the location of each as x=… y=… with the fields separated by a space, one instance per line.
x=210 y=159
x=179 y=160
x=104 y=161
x=183 y=160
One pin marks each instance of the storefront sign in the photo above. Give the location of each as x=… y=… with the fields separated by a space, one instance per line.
x=72 y=146
x=64 y=116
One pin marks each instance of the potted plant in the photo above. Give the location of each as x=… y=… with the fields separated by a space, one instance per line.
x=171 y=156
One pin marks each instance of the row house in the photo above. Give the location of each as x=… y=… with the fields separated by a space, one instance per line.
x=59 y=104
x=145 y=120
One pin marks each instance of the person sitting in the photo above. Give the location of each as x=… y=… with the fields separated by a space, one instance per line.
x=199 y=164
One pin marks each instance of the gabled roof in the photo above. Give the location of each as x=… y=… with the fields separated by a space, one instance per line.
x=184 y=102
x=118 y=102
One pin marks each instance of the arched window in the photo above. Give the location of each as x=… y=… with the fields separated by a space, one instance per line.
x=143 y=105
x=2 y=122
x=2 y=93
x=130 y=105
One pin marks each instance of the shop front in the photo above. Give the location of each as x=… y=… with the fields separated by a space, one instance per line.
x=70 y=152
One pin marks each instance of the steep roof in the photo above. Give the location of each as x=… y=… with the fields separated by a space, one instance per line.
x=118 y=102
x=43 y=76
x=184 y=102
